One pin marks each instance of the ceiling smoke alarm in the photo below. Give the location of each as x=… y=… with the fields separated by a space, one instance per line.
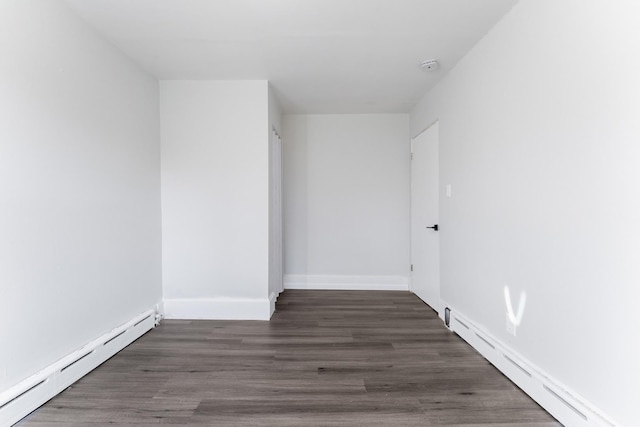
x=429 y=65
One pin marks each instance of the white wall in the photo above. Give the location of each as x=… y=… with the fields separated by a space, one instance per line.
x=275 y=113
x=346 y=199
x=539 y=139
x=276 y=255
x=79 y=188
x=215 y=177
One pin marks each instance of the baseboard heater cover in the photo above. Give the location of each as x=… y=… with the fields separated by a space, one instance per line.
x=566 y=406
x=20 y=400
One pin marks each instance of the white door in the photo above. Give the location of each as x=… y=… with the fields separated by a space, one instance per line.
x=425 y=242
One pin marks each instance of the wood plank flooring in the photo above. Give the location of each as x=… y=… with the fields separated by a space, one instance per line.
x=327 y=358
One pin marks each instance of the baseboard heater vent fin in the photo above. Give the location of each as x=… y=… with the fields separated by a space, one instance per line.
x=141 y=320
x=569 y=405
x=33 y=387
x=485 y=340
x=114 y=337
x=517 y=365
x=460 y=321
x=77 y=360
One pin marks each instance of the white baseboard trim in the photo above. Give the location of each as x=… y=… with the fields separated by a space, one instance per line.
x=20 y=400
x=351 y=283
x=565 y=405
x=218 y=308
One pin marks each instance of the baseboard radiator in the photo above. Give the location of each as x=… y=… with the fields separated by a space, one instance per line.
x=26 y=396
x=566 y=406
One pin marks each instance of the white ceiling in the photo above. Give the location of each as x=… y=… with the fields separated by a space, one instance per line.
x=321 y=56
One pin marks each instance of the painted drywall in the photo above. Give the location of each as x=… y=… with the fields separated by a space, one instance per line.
x=346 y=196
x=215 y=189
x=275 y=112
x=276 y=254
x=539 y=140
x=80 y=246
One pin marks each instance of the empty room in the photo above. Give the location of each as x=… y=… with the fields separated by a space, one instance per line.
x=319 y=213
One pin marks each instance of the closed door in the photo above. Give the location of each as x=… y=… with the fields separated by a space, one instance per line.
x=425 y=241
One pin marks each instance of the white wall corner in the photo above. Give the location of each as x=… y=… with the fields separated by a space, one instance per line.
x=340 y=282
x=560 y=401
x=159 y=312
x=218 y=308
x=272 y=303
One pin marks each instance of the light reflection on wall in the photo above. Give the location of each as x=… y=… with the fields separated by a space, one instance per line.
x=515 y=318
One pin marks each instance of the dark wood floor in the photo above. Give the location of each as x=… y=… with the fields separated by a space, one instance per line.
x=327 y=358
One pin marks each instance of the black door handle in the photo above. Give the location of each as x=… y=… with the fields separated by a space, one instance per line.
x=435 y=227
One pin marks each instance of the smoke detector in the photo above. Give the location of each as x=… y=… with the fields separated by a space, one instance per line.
x=429 y=65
